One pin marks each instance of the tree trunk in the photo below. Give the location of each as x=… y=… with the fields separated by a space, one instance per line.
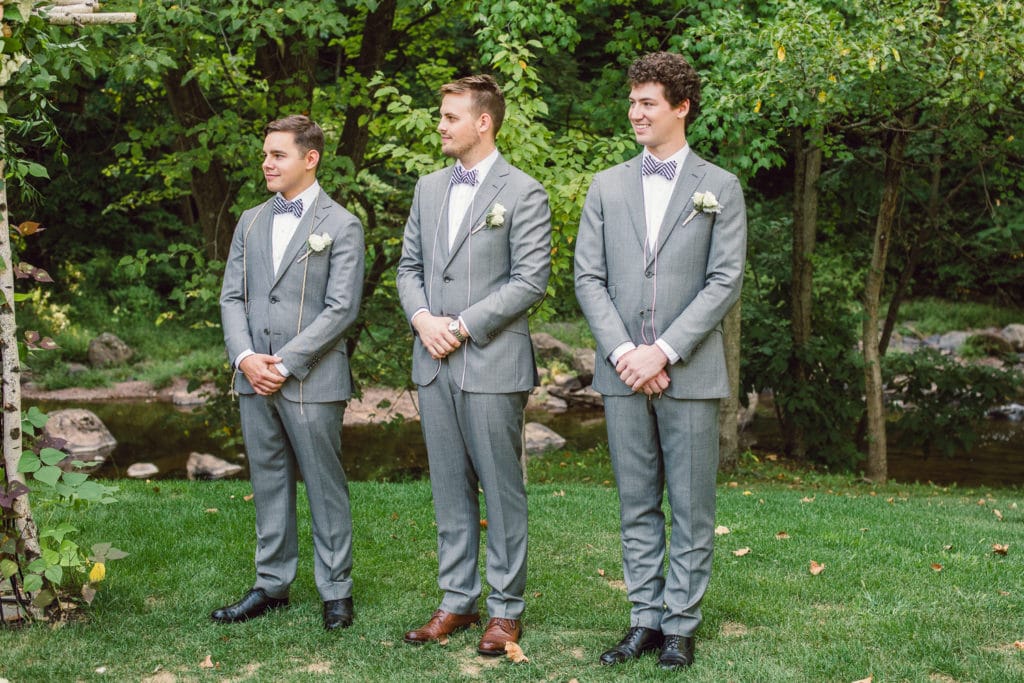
x=920 y=237
x=877 y=464
x=10 y=418
x=808 y=155
x=728 y=417
x=212 y=195
x=378 y=36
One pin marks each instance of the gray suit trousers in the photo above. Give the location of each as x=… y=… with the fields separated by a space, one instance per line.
x=656 y=444
x=283 y=439
x=475 y=440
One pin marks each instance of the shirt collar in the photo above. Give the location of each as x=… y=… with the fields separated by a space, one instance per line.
x=483 y=167
x=679 y=157
x=308 y=196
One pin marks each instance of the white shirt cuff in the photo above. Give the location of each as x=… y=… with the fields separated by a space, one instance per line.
x=620 y=351
x=469 y=332
x=673 y=357
x=418 y=311
x=282 y=369
x=242 y=356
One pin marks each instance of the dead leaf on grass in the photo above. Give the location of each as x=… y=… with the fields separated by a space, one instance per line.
x=515 y=653
x=559 y=494
x=1000 y=548
x=248 y=497
x=936 y=566
x=807 y=499
x=207 y=663
x=211 y=511
x=817 y=568
x=721 y=530
x=741 y=552
x=998 y=514
x=483 y=524
x=869 y=679
x=443 y=640
x=782 y=535
x=600 y=572
x=1019 y=644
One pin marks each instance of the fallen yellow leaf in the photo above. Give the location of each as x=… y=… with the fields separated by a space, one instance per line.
x=721 y=530
x=515 y=653
x=805 y=499
x=936 y=566
x=97 y=573
x=1000 y=548
x=998 y=514
x=211 y=511
x=207 y=663
x=741 y=552
x=780 y=53
x=733 y=484
x=817 y=568
x=782 y=535
x=248 y=497
x=747 y=493
x=600 y=572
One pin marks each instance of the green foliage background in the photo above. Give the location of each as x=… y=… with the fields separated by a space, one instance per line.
x=151 y=134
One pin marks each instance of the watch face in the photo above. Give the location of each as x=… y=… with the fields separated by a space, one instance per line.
x=453 y=326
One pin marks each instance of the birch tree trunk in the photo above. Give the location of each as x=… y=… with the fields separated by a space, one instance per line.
x=10 y=418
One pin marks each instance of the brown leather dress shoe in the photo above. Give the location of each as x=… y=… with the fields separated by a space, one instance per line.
x=498 y=632
x=440 y=625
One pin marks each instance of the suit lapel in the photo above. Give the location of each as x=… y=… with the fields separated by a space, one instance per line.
x=680 y=204
x=482 y=202
x=633 y=189
x=297 y=244
x=260 y=242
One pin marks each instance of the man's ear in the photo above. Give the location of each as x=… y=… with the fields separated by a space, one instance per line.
x=484 y=123
x=312 y=159
x=683 y=109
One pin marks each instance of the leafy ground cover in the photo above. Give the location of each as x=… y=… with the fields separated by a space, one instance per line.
x=913 y=587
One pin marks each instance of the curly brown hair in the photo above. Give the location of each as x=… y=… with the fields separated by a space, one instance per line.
x=308 y=135
x=674 y=73
x=487 y=96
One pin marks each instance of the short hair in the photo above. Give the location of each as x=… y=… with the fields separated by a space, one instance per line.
x=487 y=96
x=674 y=73
x=308 y=135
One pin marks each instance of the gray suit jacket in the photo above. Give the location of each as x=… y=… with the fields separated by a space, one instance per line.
x=689 y=282
x=301 y=313
x=491 y=276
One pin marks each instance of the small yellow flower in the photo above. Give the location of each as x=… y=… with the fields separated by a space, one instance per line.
x=757 y=107
x=822 y=96
x=97 y=573
x=781 y=53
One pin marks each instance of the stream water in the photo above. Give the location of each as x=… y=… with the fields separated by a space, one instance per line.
x=160 y=433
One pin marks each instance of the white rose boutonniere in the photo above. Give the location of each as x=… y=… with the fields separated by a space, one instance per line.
x=316 y=243
x=703 y=202
x=495 y=218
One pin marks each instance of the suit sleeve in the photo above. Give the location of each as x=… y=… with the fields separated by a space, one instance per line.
x=723 y=276
x=530 y=268
x=343 y=294
x=591 y=275
x=410 y=279
x=234 y=317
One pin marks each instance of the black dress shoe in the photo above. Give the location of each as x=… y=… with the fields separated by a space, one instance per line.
x=638 y=640
x=676 y=652
x=337 y=613
x=254 y=604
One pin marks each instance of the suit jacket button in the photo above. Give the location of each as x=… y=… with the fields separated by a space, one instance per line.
x=274 y=299
x=266 y=331
x=649 y=274
x=447 y=278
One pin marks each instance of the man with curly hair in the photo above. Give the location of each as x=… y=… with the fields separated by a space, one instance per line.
x=659 y=262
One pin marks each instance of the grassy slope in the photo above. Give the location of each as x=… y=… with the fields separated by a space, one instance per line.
x=879 y=608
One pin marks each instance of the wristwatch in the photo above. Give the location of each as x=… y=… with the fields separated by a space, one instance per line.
x=455 y=328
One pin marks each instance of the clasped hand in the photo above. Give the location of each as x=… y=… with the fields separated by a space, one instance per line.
x=434 y=334
x=262 y=373
x=643 y=369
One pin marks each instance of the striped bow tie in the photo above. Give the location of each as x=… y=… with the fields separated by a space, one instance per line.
x=666 y=169
x=282 y=205
x=461 y=175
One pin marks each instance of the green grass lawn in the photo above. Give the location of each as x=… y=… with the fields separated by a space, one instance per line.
x=880 y=608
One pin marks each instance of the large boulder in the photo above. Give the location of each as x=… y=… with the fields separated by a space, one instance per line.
x=540 y=439
x=583 y=364
x=208 y=467
x=107 y=349
x=549 y=348
x=84 y=434
x=991 y=343
x=1014 y=333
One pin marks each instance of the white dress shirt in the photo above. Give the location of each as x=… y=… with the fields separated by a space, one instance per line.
x=657 y=193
